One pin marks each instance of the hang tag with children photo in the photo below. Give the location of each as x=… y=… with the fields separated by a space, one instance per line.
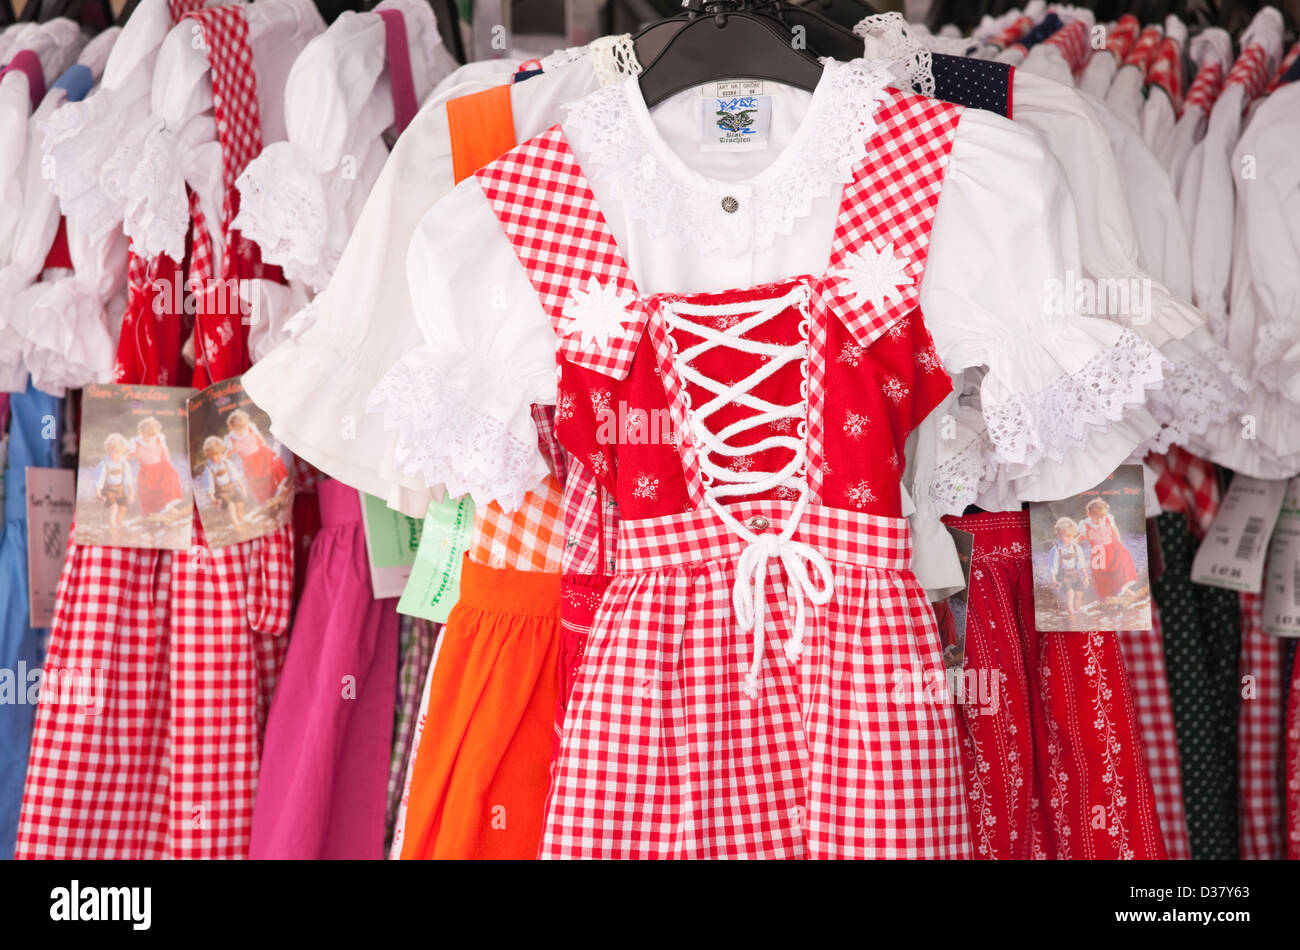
x=243 y=481
x=133 y=489
x=1090 y=557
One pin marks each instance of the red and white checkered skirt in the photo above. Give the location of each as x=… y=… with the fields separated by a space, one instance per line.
x=664 y=755
x=179 y=652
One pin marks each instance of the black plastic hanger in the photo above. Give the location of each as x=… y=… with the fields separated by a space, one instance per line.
x=127 y=11
x=727 y=42
x=7 y=15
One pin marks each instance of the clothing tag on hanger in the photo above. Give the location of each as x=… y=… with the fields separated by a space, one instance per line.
x=1090 y=557
x=736 y=115
x=1233 y=552
x=242 y=485
x=434 y=585
x=392 y=540
x=951 y=612
x=51 y=498
x=1282 y=585
x=133 y=471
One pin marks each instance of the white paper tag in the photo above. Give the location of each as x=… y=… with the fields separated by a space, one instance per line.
x=51 y=498
x=1233 y=552
x=1282 y=586
x=735 y=114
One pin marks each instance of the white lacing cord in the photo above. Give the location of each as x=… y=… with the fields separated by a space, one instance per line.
x=749 y=594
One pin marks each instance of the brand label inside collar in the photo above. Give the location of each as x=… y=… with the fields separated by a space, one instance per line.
x=735 y=114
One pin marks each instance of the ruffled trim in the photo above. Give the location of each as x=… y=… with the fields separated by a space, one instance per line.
x=157 y=214
x=445 y=439
x=888 y=37
x=78 y=139
x=1199 y=391
x=958 y=481
x=282 y=209
x=833 y=141
x=1030 y=426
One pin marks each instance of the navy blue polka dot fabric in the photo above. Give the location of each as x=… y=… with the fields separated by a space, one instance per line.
x=974 y=83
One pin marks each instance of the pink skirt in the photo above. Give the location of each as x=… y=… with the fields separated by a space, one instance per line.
x=664 y=755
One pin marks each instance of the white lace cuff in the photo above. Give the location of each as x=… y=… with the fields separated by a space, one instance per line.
x=157 y=215
x=79 y=138
x=445 y=436
x=282 y=206
x=69 y=340
x=959 y=480
x=1027 y=425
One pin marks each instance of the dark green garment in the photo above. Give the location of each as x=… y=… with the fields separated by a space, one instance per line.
x=1202 y=635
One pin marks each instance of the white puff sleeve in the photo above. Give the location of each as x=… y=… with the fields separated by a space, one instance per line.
x=461 y=403
x=1004 y=260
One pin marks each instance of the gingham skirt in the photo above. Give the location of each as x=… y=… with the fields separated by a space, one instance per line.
x=839 y=756
x=178 y=652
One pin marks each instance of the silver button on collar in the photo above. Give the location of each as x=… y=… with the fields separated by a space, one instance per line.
x=757 y=523
x=730 y=204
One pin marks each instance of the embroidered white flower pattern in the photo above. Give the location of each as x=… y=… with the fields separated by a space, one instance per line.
x=647 y=486
x=596 y=314
x=599 y=464
x=728 y=320
x=928 y=360
x=782 y=425
x=851 y=354
x=742 y=463
x=636 y=425
x=897 y=330
x=894 y=461
x=874 y=275
x=861 y=494
x=854 y=424
x=786 y=492
x=600 y=401
x=893 y=388
x=563 y=406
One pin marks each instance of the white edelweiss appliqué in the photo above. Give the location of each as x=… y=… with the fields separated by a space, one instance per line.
x=597 y=314
x=874 y=275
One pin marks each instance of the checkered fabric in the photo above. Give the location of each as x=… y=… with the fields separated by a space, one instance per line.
x=836 y=760
x=888 y=207
x=177 y=647
x=1013 y=32
x=1122 y=36
x=1144 y=656
x=1261 y=741
x=1205 y=88
x=587 y=511
x=1186 y=483
x=416 y=644
x=528 y=539
x=1166 y=71
x=545 y=206
x=1251 y=72
x=1052 y=755
x=1287 y=62
x=1293 y=766
x=1144 y=50
x=1073 y=42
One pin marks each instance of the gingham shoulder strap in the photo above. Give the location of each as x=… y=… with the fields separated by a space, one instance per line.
x=882 y=236
x=547 y=210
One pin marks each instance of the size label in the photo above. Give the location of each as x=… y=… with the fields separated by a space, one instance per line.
x=1233 y=552
x=735 y=114
x=1282 y=584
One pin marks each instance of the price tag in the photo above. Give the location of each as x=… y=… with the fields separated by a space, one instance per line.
x=392 y=540
x=434 y=585
x=1282 y=586
x=1233 y=552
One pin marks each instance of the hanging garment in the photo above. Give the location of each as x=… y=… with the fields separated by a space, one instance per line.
x=666 y=620
x=1052 y=753
x=1144 y=658
x=482 y=767
x=1292 y=793
x=323 y=788
x=33 y=441
x=1261 y=739
x=168 y=630
x=1202 y=635
x=417 y=641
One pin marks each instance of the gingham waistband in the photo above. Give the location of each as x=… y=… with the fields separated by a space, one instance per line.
x=694 y=537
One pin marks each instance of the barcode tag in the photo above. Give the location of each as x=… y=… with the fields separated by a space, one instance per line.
x=1282 y=587
x=736 y=114
x=1233 y=552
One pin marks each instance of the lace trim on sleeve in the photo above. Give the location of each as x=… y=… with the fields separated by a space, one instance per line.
x=1031 y=426
x=1197 y=393
x=959 y=480
x=282 y=209
x=444 y=438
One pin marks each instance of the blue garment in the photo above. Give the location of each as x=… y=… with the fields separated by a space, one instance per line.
x=33 y=416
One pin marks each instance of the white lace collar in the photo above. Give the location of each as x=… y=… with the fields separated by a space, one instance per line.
x=619 y=143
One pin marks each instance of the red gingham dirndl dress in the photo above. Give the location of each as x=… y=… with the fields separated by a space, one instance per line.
x=184 y=648
x=670 y=747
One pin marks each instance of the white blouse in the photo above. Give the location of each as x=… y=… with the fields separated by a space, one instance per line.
x=1211 y=47
x=1005 y=227
x=315 y=386
x=300 y=198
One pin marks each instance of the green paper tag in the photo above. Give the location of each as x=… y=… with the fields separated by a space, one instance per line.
x=392 y=540
x=434 y=585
